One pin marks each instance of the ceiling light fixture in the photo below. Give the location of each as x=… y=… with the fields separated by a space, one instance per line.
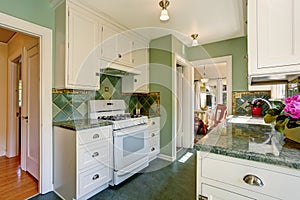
x=164 y=13
x=204 y=79
x=195 y=41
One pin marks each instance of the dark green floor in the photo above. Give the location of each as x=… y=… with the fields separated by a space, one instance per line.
x=161 y=180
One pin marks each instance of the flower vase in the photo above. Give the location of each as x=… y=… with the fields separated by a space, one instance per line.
x=292 y=133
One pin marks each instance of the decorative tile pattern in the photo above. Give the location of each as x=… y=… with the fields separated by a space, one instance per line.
x=72 y=104
x=240 y=101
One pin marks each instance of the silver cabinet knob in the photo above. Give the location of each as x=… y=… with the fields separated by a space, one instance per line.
x=95 y=177
x=253 y=180
x=95 y=154
x=95 y=136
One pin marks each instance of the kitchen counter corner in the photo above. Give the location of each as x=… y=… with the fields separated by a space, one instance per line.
x=250 y=142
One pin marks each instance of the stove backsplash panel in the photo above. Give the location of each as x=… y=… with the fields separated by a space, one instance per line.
x=72 y=104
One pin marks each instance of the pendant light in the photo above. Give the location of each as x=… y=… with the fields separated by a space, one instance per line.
x=164 y=13
x=194 y=41
x=204 y=79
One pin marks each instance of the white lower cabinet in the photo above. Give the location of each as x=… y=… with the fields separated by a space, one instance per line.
x=227 y=178
x=82 y=161
x=154 y=137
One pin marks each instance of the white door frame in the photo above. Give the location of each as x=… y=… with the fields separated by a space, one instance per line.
x=187 y=102
x=228 y=61
x=46 y=140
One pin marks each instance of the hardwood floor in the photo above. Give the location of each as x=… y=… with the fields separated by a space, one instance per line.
x=14 y=182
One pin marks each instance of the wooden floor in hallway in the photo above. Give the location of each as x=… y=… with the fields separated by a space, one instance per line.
x=14 y=182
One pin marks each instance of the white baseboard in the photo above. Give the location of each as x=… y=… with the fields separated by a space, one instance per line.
x=166 y=157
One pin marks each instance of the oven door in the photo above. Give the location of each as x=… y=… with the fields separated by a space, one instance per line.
x=130 y=146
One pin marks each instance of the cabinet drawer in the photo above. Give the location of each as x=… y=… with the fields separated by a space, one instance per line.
x=215 y=193
x=154 y=140
x=154 y=123
x=93 y=154
x=153 y=134
x=92 y=179
x=280 y=185
x=94 y=134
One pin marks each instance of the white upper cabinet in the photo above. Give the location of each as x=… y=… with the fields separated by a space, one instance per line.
x=77 y=36
x=273 y=37
x=140 y=61
x=116 y=46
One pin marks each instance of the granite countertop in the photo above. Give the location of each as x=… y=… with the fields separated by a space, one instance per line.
x=250 y=141
x=81 y=124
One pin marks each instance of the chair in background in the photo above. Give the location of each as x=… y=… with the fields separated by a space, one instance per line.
x=220 y=114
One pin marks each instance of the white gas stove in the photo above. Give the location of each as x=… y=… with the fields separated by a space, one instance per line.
x=114 y=111
x=130 y=136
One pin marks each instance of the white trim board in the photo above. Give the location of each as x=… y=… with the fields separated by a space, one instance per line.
x=46 y=140
x=166 y=157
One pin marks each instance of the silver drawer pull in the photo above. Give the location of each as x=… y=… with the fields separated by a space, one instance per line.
x=253 y=180
x=95 y=136
x=96 y=176
x=95 y=154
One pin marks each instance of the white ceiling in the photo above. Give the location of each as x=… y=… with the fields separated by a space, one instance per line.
x=213 y=20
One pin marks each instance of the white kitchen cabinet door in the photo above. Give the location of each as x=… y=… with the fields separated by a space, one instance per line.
x=116 y=45
x=140 y=58
x=109 y=43
x=83 y=38
x=273 y=36
x=76 y=36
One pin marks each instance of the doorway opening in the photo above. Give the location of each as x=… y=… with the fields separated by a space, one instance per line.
x=213 y=86
x=183 y=106
x=46 y=140
x=23 y=107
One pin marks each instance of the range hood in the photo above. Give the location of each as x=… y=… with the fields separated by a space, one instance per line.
x=271 y=79
x=116 y=69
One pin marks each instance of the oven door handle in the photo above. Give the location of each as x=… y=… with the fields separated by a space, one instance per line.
x=130 y=131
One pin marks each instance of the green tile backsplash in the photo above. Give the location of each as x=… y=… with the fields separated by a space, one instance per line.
x=240 y=101
x=72 y=104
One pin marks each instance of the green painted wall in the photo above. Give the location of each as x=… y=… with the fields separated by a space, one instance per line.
x=179 y=48
x=161 y=81
x=162 y=75
x=36 y=11
x=236 y=47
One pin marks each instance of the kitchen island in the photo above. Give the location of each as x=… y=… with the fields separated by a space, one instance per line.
x=246 y=161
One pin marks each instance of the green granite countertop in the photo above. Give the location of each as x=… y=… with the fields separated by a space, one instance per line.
x=81 y=124
x=250 y=141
